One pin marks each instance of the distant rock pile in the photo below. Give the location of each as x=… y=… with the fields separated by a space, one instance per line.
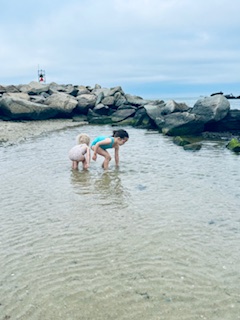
x=37 y=101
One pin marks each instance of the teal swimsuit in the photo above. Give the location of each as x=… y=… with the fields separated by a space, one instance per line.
x=103 y=146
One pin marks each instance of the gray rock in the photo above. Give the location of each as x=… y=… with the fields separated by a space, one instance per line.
x=156 y=113
x=141 y=119
x=211 y=109
x=192 y=146
x=135 y=100
x=34 y=87
x=229 y=123
x=85 y=102
x=123 y=114
x=172 y=106
x=101 y=109
x=16 y=108
x=182 y=123
x=62 y=102
x=17 y=95
x=108 y=101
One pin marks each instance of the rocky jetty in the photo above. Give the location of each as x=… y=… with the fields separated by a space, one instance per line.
x=97 y=105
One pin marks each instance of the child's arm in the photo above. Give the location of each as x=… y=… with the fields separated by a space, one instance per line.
x=117 y=155
x=88 y=156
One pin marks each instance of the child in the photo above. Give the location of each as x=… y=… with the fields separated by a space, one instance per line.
x=101 y=143
x=81 y=152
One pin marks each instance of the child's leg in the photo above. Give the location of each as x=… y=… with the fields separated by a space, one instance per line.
x=105 y=154
x=85 y=164
x=75 y=165
x=107 y=157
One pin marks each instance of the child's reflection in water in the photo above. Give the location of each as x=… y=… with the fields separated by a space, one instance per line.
x=105 y=188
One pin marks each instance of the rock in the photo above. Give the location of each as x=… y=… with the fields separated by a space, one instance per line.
x=82 y=90
x=115 y=90
x=142 y=120
x=16 y=108
x=99 y=99
x=119 y=99
x=155 y=112
x=182 y=123
x=12 y=89
x=172 y=106
x=192 y=147
x=68 y=89
x=135 y=100
x=85 y=102
x=234 y=145
x=34 y=88
x=2 y=89
x=95 y=118
x=61 y=102
x=108 y=101
x=211 y=109
x=101 y=109
x=229 y=123
x=122 y=114
x=180 y=141
x=17 y=95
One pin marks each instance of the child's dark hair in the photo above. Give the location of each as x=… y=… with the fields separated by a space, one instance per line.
x=120 y=134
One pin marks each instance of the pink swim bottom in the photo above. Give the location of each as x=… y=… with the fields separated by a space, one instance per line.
x=77 y=153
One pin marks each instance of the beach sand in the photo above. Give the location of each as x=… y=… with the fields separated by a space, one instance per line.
x=13 y=132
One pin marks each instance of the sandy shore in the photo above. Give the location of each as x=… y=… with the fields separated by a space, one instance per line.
x=12 y=132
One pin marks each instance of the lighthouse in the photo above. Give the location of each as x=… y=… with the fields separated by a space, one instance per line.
x=41 y=76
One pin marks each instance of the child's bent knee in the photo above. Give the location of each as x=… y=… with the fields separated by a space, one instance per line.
x=108 y=158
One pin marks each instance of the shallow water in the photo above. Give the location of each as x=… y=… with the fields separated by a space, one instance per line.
x=156 y=239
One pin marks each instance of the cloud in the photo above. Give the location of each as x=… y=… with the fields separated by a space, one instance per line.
x=121 y=42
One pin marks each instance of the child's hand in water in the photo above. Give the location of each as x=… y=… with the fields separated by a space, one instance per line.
x=94 y=157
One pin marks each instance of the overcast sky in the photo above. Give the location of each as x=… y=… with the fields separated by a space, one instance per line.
x=152 y=48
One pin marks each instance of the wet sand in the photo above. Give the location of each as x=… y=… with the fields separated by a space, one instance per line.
x=12 y=132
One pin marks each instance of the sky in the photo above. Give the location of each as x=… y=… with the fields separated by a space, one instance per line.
x=151 y=48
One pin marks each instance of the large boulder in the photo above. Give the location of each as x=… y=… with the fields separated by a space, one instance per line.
x=34 y=87
x=12 y=89
x=211 y=109
x=119 y=99
x=123 y=114
x=96 y=118
x=82 y=90
x=229 y=123
x=68 y=89
x=85 y=102
x=108 y=101
x=142 y=119
x=16 y=95
x=182 y=123
x=173 y=106
x=156 y=113
x=135 y=100
x=17 y=108
x=62 y=102
x=101 y=109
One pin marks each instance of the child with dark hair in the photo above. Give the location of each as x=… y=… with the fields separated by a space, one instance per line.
x=102 y=143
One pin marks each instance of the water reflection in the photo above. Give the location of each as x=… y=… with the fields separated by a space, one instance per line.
x=81 y=181
x=108 y=189
x=104 y=188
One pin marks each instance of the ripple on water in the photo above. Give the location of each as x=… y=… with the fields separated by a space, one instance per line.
x=134 y=243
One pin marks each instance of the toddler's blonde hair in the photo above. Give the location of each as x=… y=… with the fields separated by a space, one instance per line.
x=83 y=138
